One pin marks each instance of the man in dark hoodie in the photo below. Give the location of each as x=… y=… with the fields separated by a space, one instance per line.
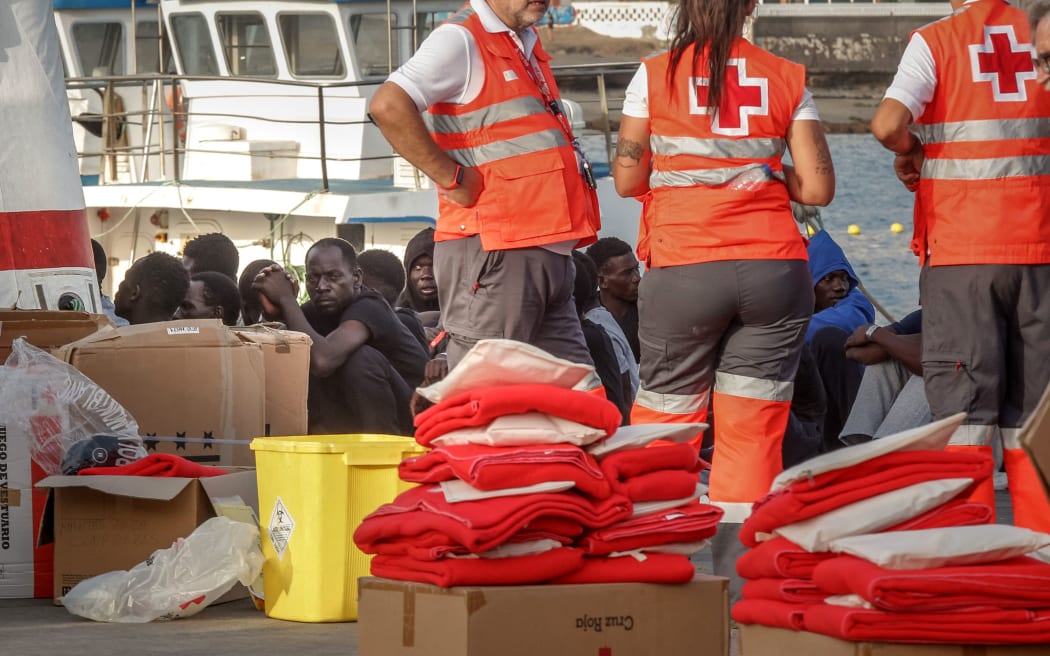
x=840 y=307
x=420 y=293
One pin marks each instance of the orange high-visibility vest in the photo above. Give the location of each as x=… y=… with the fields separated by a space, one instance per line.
x=984 y=188
x=689 y=215
x=534 y=193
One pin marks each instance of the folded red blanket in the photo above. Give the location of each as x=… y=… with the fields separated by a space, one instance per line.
x=690 y=523
x=622 y=465
x=157 y=464
x=766 y=612
x=656 y=568
x=447 y=572
x=779 y=558
x=793 y=591
x=480 y=525
x=435 y=546
x=957 y=512
x=662 y=485
x=834 y=489
x=498 y=468
x=479 y=407
x=980 y=626
x=1015 y=583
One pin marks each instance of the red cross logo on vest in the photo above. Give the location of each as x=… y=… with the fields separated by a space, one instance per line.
x=742 y=97
x=1004 y=62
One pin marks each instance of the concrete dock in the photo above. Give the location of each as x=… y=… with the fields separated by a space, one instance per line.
x=36 y=627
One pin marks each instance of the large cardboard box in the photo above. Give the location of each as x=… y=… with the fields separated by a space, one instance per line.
x=47 y=329
x=100 y=524
x=286 y=359
x=1035 y=439
x=25 y=568
x=398 y=618
x=766 y=641
x=194 y=379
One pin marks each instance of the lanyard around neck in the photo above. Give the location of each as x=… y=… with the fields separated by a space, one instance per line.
x=541 y=85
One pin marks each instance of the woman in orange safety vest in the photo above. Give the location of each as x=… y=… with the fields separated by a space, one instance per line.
x=724 y=305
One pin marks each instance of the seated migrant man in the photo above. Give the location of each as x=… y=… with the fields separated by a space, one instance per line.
x=420 y=289
x=382 y=271
x=892 y=395
x=618 y=280
x=101 y=268
x=152 y=289
x=364 y=363
x=611 y=361
x=839 y=308
x=211 y=295
x=212 y=251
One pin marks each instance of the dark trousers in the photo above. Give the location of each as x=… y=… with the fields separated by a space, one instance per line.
x=365 y=395
x=841 y=378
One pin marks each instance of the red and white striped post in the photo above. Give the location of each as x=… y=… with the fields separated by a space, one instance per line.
x=45 y=250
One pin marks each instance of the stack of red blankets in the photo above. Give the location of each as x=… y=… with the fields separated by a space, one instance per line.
x=489 y=514
x=789 y=586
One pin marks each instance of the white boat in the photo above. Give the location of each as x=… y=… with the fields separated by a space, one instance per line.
x=248 y=117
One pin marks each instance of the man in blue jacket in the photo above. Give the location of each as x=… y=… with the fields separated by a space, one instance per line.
x=839 y=309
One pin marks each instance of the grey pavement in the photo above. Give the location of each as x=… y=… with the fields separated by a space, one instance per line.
x=35 y=627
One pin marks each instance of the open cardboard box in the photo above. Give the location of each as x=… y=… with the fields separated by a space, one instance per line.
x=399 y=618
x=25 y=569
x=47 y=329
x=100 y=524
x=767 y=641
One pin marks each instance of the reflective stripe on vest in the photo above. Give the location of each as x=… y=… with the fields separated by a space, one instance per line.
x=717 y=148
x=985 y=169
x=753 y=388
x=507 y=110
x=983 y=130
x=498 y=150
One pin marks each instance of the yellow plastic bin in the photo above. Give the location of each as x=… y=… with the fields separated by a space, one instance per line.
x=314 y=490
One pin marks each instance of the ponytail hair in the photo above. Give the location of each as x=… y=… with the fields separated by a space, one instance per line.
x=709 y=26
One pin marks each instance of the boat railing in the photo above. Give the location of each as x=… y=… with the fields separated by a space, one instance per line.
x=140 y=127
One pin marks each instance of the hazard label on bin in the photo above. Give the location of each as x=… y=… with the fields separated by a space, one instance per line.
x=281 y=527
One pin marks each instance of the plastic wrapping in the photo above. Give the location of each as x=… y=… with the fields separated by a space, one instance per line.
x=176 y=582
x=52 y=406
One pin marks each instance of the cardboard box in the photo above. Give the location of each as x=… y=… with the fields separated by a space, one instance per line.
x=1035 y=439
x=25 y=568
x=766 y=641
x=286 y=360
x=193 y=379
x=398 y=618
x=47 y=329
x=100 y=524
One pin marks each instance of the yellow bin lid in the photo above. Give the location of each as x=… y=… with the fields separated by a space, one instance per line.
x=356 y=449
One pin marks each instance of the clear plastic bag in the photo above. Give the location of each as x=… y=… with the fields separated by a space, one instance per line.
x=176 y=582
x=52 y=406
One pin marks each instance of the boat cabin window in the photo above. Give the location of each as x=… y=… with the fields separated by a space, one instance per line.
x=193 y=44
x=311 y=45
x=377 y=53
x=246 y=45
x=100 y=48
x=426 y=21
x=151 y=49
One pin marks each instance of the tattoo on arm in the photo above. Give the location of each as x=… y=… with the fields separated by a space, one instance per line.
x=824 y=166
x=629 y=149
